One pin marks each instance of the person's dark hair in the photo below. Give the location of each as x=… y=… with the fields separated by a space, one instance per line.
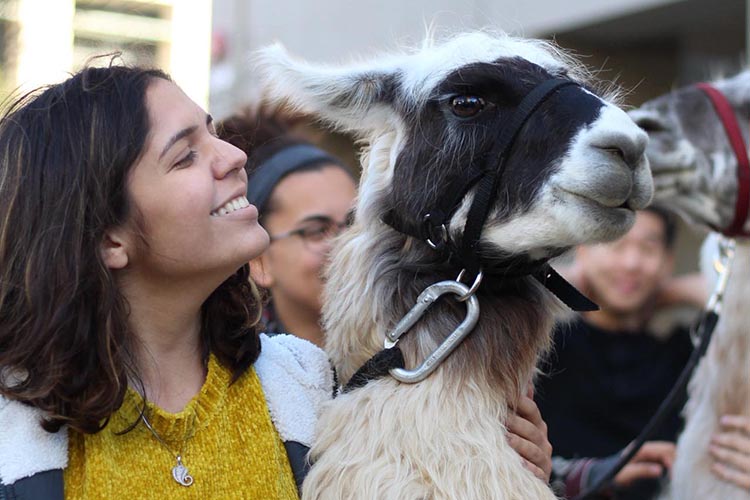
x=65 y=345
x=263 y=133
x=670 y=224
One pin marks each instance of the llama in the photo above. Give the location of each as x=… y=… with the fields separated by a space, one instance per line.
x=695 y=172
x=429 y=118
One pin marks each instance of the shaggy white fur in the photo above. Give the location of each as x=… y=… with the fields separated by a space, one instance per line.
x=436 y=440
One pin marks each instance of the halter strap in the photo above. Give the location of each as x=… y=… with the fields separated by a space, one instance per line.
x=734 y=134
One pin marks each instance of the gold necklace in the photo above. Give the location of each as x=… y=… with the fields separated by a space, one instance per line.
x=179 y=471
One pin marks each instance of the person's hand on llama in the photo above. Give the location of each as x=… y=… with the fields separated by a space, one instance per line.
x=730 y=449
x=651 y=461
x=688 y=289
x=527 y=434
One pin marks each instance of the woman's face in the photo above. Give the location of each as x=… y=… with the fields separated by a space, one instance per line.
x=304 y=203
x=188 y=194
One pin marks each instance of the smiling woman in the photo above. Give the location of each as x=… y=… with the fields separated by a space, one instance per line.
x=128 y=345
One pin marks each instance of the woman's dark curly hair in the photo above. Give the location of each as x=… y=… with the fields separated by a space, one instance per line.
x=65 y=345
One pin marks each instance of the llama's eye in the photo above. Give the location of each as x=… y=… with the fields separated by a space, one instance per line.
x=466 y=106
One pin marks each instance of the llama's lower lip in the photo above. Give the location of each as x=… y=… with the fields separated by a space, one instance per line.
x=598 y=203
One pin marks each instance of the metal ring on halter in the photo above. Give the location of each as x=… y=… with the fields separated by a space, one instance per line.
x=474 y=286
x=443 y=237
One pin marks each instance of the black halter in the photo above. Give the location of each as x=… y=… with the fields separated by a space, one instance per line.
x=486 y=175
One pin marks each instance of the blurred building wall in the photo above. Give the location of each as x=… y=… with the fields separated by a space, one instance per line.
x=646 y=45
x=42 y=41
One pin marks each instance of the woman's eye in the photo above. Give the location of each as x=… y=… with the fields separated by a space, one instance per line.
x=315 y=232
x=466 y=106
x=187 y=160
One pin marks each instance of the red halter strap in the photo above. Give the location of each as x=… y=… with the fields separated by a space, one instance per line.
x=732 y=128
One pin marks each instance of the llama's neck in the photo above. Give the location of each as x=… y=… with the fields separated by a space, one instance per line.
x=369 y=290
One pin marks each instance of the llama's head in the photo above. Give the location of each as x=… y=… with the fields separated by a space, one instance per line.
x=693 y=164
x=575 y=174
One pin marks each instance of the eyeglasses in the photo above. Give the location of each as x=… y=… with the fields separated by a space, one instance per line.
x=316 y=233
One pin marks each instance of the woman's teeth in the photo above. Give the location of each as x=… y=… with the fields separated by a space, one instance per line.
x=231 y=206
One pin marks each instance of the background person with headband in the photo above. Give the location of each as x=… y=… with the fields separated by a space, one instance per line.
x=303 y=195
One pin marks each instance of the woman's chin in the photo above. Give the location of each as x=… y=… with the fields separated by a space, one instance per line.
x=254 y=243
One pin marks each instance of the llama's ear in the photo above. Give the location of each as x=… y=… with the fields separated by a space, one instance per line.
x=349 y=97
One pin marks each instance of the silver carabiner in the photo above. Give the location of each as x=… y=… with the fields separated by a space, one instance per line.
x=424 y=301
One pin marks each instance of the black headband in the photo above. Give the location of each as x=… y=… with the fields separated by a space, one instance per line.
x=269 y=173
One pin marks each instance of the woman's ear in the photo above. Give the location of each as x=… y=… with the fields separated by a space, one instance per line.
x=114 y=249
x=260 y=271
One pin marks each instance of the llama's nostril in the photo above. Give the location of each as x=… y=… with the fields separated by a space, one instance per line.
x=626 y=148
x=615 y=151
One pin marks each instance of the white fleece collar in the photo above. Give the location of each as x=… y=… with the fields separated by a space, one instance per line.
x=26 y=448
x=297 y=379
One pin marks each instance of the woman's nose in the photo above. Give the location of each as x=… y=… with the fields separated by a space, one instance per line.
x=228 y=158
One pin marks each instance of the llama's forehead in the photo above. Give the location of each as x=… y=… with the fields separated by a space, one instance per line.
x=423 y=71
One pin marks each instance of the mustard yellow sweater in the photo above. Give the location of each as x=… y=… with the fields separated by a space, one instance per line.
x=232 y=449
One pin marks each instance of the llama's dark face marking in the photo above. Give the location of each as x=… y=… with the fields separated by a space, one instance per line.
x=693 y=164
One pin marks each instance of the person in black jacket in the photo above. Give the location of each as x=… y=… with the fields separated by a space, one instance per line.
x=609 y=372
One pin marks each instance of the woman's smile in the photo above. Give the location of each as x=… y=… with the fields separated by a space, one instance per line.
x=233 y=205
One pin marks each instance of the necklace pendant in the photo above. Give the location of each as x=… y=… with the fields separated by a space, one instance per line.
x=180 y=473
